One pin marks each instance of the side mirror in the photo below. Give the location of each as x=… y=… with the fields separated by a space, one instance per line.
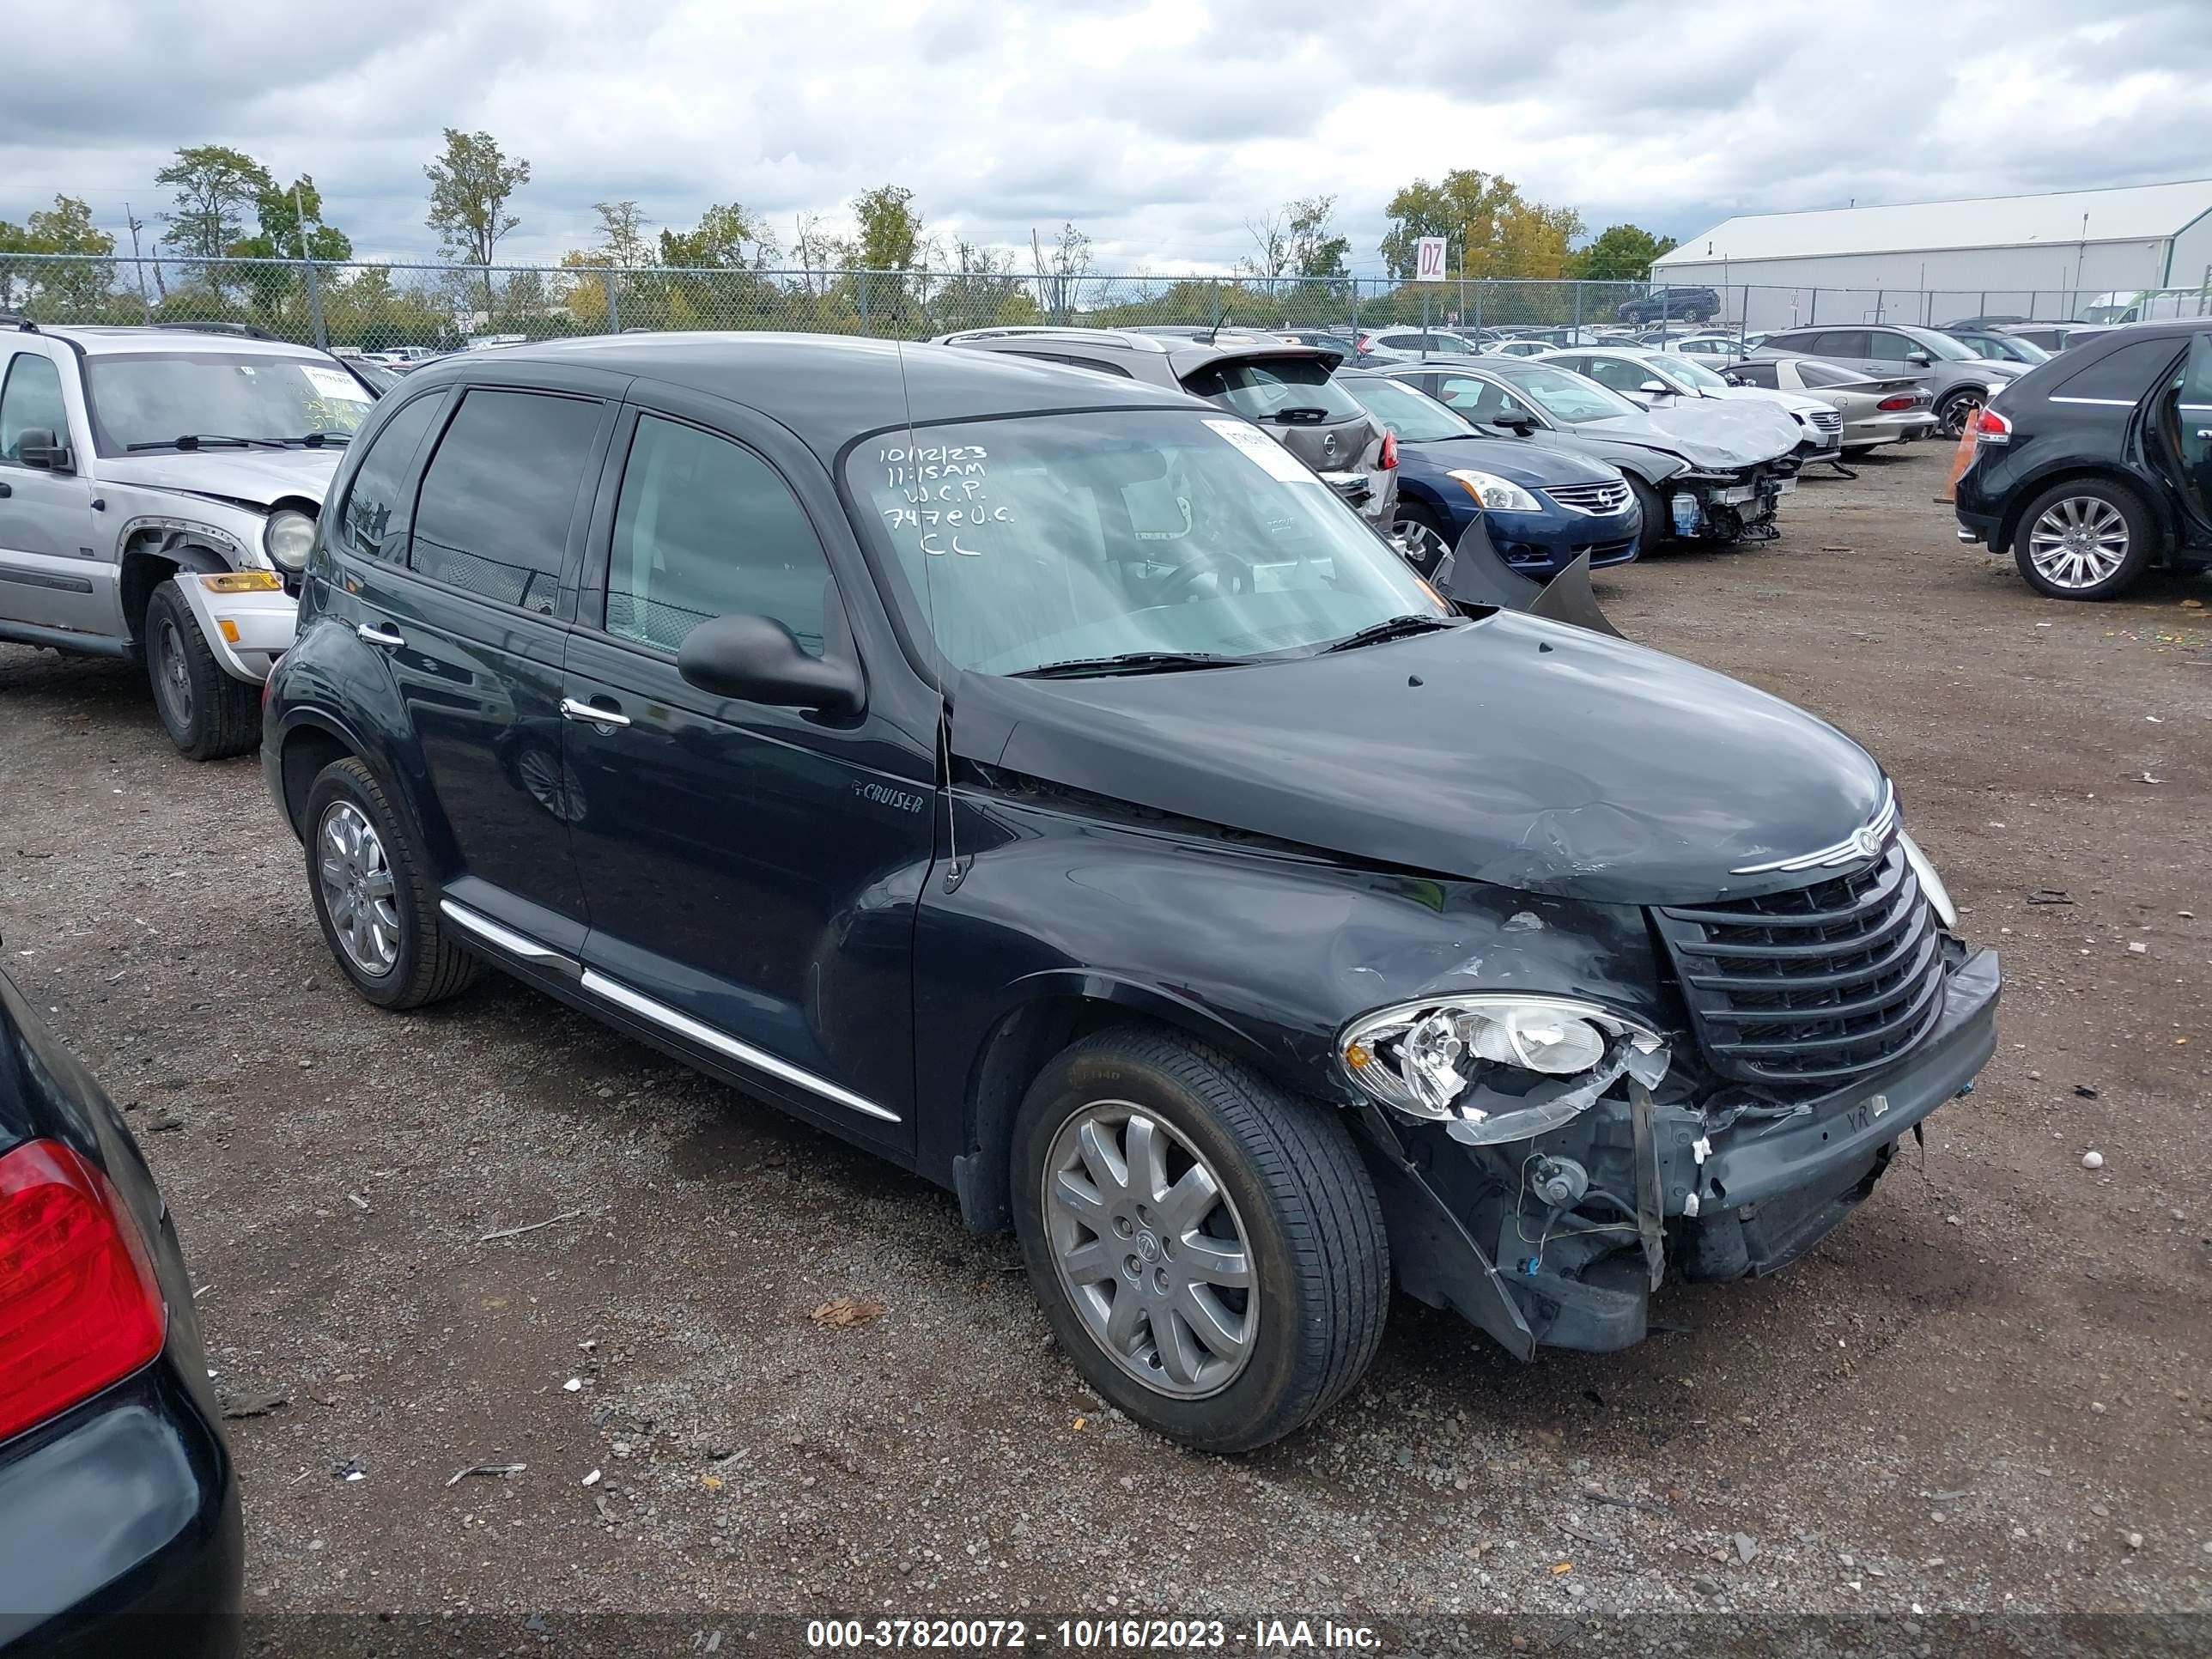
x=36 y=447
x=1516 y=422
x=1919 y=357
x=757 y=660
x=1655 y=388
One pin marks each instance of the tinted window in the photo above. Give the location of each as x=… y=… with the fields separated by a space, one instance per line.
x=375 y=495
x=1755 y=375
x=493 y=519
x=31 y=400
x=2130 y=373
x=1837 y=343
x=1269 y=389
x=1789 y=342
x=1411 y=418
x=1613 y=372
x=705 y=528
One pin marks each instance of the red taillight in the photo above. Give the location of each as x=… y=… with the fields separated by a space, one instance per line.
x=1992 y=427
x=80 y=1307
x=1389 y=452
x=1897 y=403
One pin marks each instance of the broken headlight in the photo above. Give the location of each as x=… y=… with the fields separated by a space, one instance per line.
x=1497 y=1066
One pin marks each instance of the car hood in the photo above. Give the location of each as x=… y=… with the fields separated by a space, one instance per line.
x=1707 y=432
x=1797 y=403
x=1513 y=750
x=1533 y=464
x=257 y=477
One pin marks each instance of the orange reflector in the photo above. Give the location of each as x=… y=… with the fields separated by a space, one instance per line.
x=243 y=581
x=229 y=628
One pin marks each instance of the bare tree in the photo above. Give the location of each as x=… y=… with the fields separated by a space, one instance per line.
x=1060 y=271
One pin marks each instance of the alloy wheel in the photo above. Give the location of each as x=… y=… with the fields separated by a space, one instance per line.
x=1959 y=411
x=172 y=675
x=1425 y=548
x=2078 y=542
x=1149 y=1250
x=358 y=891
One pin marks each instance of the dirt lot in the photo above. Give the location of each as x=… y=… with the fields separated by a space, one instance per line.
x=1990 y=1391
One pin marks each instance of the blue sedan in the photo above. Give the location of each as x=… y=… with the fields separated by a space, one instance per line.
x=1542 y=507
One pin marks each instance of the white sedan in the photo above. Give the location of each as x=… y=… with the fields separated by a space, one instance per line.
x=1661 y=377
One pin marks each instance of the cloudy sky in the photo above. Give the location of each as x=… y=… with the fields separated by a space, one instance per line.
x=1159 y=126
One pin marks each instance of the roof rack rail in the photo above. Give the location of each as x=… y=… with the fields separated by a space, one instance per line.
x=19 y=321
x=244 y=330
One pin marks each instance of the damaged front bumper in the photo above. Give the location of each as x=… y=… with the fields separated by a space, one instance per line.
x=1712 y=1195
x=247 y=624
x=1729 y=505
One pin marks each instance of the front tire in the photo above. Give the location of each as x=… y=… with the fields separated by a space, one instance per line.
x=1208 y=1249
x=1656 y=525
x=1423 y=540
x=1955 y=410
x=2084 y=538
x=208 y=714
x=370 y=881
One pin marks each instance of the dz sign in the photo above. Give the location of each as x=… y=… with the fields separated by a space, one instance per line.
x=1428 y=259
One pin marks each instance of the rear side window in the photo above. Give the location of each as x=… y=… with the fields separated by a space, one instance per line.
x=375 y=499
x=1757 y=374
x=1278 y=390
x=492 y=517
x=1841 y=342
x=2129 y=373
x=31 y=401
x=705 y=528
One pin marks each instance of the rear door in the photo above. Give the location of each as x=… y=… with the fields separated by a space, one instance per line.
x=472 y=617
x=751 y=871
x=51 y=574
x=1853 y=346
x=2193 y=412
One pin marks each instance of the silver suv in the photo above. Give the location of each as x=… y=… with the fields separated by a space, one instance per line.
x=1285 y=389
x=1958 y=380
x=158 y=490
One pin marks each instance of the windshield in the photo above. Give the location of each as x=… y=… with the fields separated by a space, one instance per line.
x=1275 y=390
x=1683 y=371
x=1052 y=538
x=2017 y=351
x=150 y=400
x=1567 y=397
x=1411 y=418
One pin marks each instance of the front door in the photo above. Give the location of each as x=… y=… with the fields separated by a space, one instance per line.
x=2193 y=413
x=473 y=623
x=51 y=574
x=751 y=871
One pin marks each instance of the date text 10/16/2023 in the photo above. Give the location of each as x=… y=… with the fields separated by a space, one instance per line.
x=1091 y=1635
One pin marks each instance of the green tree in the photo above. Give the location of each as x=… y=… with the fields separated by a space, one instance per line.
x=621 y=234
x=981 y=290
x=713 y=276
x=213 y=185
x=81 y=284
x=1489 y=228
x=727 y=238
x=292 y=227
x=471 y=185
x=887 y=232
x=1620 y=253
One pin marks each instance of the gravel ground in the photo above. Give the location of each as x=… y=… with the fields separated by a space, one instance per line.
x=1987 y=1392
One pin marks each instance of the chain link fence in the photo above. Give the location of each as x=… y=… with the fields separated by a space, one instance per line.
x=442 y=307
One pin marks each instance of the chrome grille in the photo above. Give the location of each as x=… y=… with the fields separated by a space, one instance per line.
x=1610 y=496
x=1814 y=985
x=1829 y=420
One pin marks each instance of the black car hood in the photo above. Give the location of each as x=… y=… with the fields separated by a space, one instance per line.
x=1511 y=749
x=1531 y=464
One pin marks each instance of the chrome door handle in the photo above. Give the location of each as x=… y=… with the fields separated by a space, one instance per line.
x=573 y=708
x=376 y=636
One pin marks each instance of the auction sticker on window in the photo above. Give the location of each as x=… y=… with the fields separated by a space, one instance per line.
x=1265 y=452
x=335 y=383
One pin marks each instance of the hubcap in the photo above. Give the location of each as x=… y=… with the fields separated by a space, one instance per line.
x=2079 y=541
x=172 y=680
x=1151 y=1250
x=357 y=890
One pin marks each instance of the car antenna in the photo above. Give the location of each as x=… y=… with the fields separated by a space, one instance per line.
x=1220 y=311
x=955 y=872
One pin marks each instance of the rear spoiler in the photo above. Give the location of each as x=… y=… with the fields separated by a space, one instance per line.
x=1473 y=574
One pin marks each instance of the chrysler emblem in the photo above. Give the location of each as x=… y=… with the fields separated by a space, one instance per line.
x=1864 y=842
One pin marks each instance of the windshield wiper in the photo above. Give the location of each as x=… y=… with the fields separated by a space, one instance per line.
x=207 y=439
x=1130 y=662
x=314 y=439
x=1390 y=628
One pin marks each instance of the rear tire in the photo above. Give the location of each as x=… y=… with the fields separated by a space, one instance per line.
x=1655 y=524
x=2084 y=538
x=1152 y=1176
x=208 y=714
x=1956 y=409
x=370 y=881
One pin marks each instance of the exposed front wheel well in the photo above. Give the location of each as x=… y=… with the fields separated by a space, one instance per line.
x=153 y=557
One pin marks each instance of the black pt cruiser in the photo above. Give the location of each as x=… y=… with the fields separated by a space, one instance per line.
x=1046 y=782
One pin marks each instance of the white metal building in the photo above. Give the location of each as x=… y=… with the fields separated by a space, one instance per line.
x=2050 y=256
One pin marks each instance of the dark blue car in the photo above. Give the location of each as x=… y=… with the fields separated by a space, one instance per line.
x=1544 y=506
